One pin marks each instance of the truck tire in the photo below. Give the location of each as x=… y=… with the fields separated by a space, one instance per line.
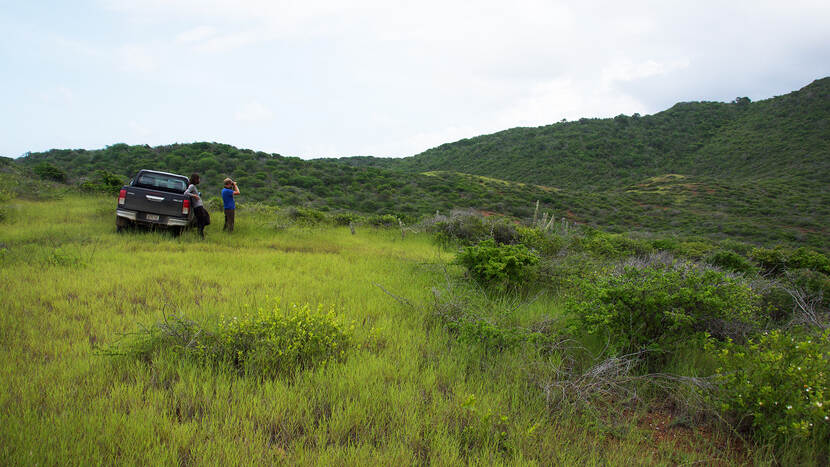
x=122 y=224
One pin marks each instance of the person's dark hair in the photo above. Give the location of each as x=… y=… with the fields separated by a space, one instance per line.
x=194 y=179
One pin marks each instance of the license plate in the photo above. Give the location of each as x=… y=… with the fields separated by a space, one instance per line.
x=152 y=217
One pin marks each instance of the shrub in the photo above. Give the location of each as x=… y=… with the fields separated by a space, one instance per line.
x=771 y=261
x=613 y=245
x=466 y=229
x=382 y=220
x=499 y=266
x=48 y=171
x=547 y=244
x=504 y=233
x=103 y=182
x=778 y=387
x=730 y=261
x=808 y=259
x=657 y=307
x=305 y=216
x=270 y=343
x=344 y=218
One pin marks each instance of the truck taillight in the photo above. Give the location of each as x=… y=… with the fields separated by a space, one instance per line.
x=186 y=207
x=122 y=197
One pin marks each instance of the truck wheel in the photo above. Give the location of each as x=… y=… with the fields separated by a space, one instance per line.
x=121 y=224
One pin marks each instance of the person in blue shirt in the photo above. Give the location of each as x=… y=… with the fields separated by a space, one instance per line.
x=230 y=190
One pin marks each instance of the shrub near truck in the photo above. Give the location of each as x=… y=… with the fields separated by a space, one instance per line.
x=154 y=199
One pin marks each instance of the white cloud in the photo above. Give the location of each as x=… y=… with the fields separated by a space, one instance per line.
x=253 y=112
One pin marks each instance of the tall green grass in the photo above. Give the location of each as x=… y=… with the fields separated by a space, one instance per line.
x=409 y=393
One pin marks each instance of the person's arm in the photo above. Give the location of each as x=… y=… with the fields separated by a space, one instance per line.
x=235 y=189
x=191 y=190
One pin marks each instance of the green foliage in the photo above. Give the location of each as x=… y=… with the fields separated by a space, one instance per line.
x=279 y=343
x=306 y=216
x=803 y=258
x=779 y=259
x=546 y=243
x=778 y=387
x=771 y=261
x=48 y=171
x=613 y=245
x=504 y=232
x=500 y=266
x=730 y=261
x=466 y=230
x=344 y=218
x=382 y=220
x=656 y=308
x=267 y=344
x=103 y=182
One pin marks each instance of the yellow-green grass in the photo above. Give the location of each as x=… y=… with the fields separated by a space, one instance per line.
x=70 y=284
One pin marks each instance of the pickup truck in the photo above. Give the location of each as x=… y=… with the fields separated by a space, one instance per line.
x=154 y=199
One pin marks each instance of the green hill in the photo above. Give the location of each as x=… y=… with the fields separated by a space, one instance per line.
x=782 y=136
x=757 y=171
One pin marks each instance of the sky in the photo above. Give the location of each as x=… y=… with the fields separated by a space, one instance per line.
x=384 y=78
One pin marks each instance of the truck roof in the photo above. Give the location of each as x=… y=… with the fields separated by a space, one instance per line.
x=163 y=173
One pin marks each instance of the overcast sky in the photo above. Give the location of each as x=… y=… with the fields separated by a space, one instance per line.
x=379 y=77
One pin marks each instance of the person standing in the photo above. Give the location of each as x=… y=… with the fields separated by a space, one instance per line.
x=228 y=193
x=202 y=216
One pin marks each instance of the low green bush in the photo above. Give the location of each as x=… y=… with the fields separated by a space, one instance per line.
x=275 y=343
x=267 y=344
x=307 y=216
x=777 y=387
x=547 y=244
x=504 y=267
x=103 y=182
x=504 y=233
x=48 y=171
x=771 y=261
x=613 y=245
x=382 y=220
x=344 y=218
x=802 y=258
x=730 y=261
x=466 y=230
x=657 y=307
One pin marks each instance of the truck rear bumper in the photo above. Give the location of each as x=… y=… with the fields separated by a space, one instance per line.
x=142 y=217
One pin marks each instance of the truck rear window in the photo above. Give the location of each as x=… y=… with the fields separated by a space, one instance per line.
x=161 y=182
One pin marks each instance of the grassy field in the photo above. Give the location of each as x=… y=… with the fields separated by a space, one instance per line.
x=406 y=393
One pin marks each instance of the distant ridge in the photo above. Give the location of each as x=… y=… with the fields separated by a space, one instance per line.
x=759 y=171
x=740 y=139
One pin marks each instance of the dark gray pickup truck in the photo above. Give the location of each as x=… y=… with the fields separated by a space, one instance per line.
x=154 y=199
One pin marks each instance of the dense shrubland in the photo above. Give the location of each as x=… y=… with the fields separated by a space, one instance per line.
x=740 y=332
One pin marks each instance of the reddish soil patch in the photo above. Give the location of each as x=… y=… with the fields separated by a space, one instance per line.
x=664 y=432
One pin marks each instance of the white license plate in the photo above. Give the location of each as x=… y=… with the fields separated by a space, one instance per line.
x=152 y=217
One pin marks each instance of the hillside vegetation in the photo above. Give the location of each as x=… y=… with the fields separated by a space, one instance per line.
x=758 y=171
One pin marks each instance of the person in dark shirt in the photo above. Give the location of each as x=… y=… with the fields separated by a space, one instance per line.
x=228 y=193
x=202 y=216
